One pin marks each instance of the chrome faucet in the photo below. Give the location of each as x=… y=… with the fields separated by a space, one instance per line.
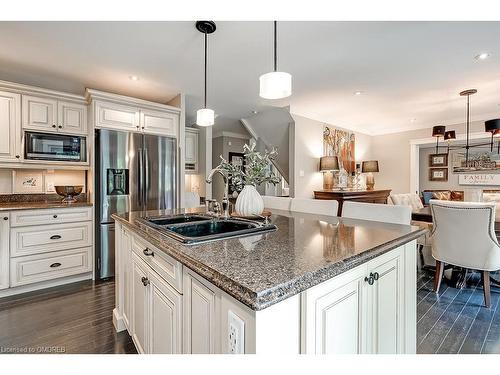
x=225 y=199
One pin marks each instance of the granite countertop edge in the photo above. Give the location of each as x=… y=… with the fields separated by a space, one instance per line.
x=269 y=297
x=17 y=206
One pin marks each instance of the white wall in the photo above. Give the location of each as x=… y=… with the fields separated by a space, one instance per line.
x=309 y=148
x=393 y=153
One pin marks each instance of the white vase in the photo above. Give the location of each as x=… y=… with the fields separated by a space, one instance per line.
x=249 y=202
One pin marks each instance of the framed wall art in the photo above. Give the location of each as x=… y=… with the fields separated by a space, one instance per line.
x=438 y=160
x=27 y=182
x=438 y=174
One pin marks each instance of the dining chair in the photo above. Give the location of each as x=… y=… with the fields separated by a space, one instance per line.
x=377 y=212
x=315 y=206
x=464 y=235
x=278 y=203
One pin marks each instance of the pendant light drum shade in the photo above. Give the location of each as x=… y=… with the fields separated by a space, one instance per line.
x=449 y=135
x=492 y=126
x=438 y=131
x=205 y=117
x=275 y=85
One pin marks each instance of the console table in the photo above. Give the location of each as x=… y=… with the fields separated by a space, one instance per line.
x=366 y=196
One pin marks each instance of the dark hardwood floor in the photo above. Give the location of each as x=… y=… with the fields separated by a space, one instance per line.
x=456 y=321
x=75 y=318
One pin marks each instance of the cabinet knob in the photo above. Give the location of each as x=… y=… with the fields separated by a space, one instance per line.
x=54 y=125
x=6 y=218
x=148 y=253
x=370 y=280
x=376 y=276
x=145 y=281
x=18 y=156
x=54 y=216
x=60 y=126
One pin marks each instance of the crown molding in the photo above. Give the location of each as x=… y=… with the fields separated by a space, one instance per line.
x=30 y=90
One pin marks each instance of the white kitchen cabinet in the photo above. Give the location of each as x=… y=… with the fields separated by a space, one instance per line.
x=201 y=312
x=126 y=254
x=71 y=117
x=10 y=123
x=140 y=305
x=4 y=250
x=115 y=116
x=386 y=305
x=165 y=317
x=191 y=150
x=39 y=113
x=159 y=122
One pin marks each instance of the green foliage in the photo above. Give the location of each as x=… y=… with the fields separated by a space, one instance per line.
x=256 y=168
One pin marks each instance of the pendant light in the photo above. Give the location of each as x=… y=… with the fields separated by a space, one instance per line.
x=275 y=84
x=467 y=93
x=437 y=132
x=205 y=116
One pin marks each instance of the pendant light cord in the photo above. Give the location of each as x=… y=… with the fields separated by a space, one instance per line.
x=205 y=93
x=275 y=46
x=467 y=141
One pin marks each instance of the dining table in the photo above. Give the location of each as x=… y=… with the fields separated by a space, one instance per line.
x=459 y=274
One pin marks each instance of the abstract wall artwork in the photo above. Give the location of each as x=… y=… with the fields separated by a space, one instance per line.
x=340 y=143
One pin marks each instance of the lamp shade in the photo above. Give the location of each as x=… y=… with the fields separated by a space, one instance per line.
x=492 y=126
x=205 y=117
x=275 y=85
x=449 y=135
x=328 y=163
x=369 y=166
x=438 y=131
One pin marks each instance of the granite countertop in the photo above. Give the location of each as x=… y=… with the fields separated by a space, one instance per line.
x=263 y=269
x=11 y=206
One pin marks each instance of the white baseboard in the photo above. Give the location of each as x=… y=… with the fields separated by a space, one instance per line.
x=44 y=284
x=118 y=321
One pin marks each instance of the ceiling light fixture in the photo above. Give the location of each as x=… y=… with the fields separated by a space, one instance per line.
x=357 y=93
x=205 y=116
x=275 y=85
x=482 y=56
x=413 y=119
x=133 y=78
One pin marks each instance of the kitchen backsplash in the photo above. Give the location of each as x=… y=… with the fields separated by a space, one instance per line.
x=27 y=181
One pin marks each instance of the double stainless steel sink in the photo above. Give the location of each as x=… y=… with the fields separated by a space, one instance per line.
x=196 y=228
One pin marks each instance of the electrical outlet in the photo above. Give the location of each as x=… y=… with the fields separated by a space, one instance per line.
x=235 y=334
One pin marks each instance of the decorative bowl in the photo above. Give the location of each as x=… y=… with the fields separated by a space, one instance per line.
x=69 y=192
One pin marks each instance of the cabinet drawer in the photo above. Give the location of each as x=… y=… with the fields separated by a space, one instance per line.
x=46 y=238
x=164 y=265
x=50 y=216
x=43 y=267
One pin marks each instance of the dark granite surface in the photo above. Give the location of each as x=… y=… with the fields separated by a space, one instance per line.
x=10 y=202
x=261 y=270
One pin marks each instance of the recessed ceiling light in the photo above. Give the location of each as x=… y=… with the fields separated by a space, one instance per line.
x=482 y=56
x=413 y=120
x=357 y=93
x=133 y=78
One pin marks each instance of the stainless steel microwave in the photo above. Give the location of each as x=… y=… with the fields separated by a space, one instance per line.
x=58 y=147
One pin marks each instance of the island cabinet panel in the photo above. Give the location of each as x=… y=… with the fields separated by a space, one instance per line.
x=125 y=294
x=140 y=305
x=4 y=250
x=201 y=314
x=165 y=318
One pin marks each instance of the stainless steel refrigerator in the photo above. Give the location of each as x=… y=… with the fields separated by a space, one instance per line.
x=134 y=172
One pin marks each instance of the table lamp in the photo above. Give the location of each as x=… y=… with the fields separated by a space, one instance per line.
x=369 y=167
x=327 y=165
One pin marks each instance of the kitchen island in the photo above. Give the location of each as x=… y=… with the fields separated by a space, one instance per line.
x=317 y=284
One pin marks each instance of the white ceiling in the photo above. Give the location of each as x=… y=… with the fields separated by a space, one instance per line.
x=406 y=70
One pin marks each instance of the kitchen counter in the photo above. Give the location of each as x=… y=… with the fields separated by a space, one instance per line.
x=14 y=206
x=264 y=269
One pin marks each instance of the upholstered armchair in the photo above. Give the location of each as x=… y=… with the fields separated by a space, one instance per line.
x=464 y=235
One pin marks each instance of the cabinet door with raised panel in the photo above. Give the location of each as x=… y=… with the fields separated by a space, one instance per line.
x=10 y=123
x=39 y=113
x=191 y=147
x=158 y=122
x=140 y=303
x=116 y=116
x=201 y=309
x=387 y=304
x=335 y=315
x=165 y=317
x=4 y=250
x=126 y=254
x=72 y=118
